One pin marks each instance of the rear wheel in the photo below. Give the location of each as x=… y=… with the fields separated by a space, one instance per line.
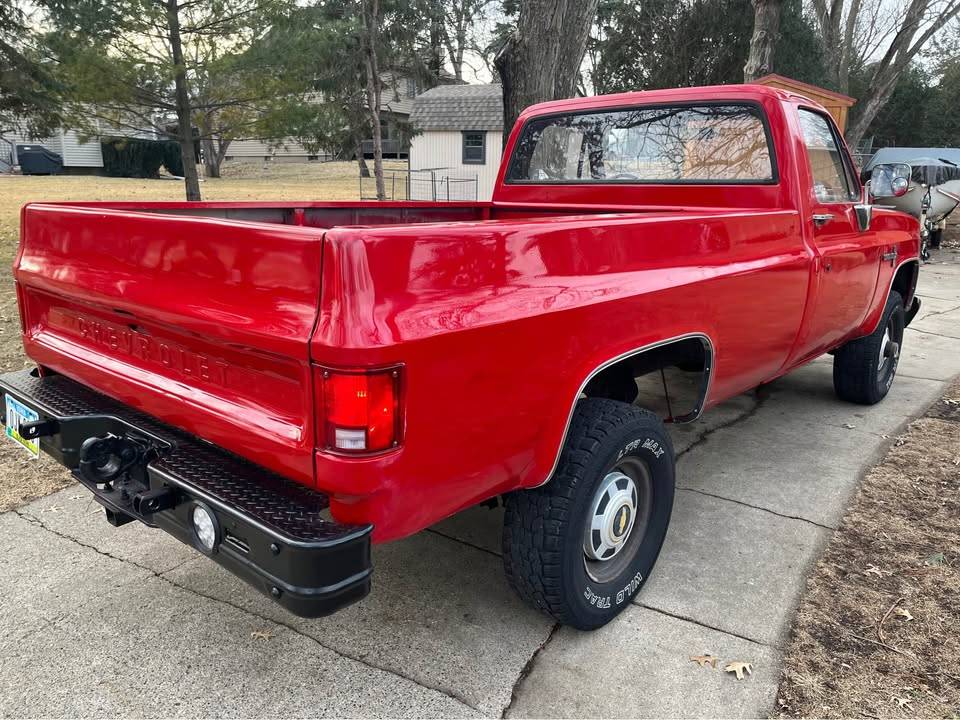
x=863 y=369
x=581 y=546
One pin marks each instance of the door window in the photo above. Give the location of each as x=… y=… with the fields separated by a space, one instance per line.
x=832 y=181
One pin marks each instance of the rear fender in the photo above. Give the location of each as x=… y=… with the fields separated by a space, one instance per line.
x=632 y=356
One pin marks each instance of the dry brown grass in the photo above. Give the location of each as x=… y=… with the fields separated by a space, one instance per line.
x=21 y=477
x=852 y=654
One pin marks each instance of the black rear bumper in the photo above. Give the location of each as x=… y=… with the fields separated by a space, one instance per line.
x=271 y=532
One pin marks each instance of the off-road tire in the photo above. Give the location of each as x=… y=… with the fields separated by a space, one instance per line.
x=857 y=376
x=543 y=535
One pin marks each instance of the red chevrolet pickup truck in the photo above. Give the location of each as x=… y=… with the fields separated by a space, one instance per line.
x=280 y=385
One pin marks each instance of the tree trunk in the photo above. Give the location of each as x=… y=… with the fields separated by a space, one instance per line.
x=214 y=151
x=182 y=100
x=541 y=60
x=880 y=91
x=371 y=21
x=766 y=30
x=361 y=160
x=211 y=168
x=436 y=38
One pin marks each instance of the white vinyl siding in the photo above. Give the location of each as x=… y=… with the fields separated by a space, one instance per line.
x=435 y=149
x=69 y=145
x=77 y=153
x=259 y=149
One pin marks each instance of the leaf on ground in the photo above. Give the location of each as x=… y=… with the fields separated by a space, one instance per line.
x=261 y=634
x=738 y=667
x=935 y=560
x=904 y=613
x=704 y=660
x=874 y=570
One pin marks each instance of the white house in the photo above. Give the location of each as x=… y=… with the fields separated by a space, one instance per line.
x=77 y=153
x=461 y=133
x=81 y=154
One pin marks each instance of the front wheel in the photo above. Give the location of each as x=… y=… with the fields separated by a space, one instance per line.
x=581 y=546
x=863 y=369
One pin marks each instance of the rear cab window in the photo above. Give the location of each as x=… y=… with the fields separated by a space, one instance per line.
x=830 y=169
x=680 y=144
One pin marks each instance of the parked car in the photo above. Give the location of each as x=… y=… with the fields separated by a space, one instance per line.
x=280 y=385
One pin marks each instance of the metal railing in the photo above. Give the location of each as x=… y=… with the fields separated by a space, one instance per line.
x=436 y=185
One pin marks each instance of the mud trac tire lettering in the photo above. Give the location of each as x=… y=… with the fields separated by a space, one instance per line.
x=616 y=473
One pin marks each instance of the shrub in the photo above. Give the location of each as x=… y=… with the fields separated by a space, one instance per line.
x=138 y=158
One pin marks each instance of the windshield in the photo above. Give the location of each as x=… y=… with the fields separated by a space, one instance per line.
x=684 y=144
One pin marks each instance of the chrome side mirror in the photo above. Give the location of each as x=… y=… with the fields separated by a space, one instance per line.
x=890 y=180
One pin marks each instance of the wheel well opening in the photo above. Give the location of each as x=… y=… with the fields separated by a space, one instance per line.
x=905 y=281
x=670 y=380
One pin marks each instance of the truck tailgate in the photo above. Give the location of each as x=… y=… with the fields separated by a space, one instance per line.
x=200 y=322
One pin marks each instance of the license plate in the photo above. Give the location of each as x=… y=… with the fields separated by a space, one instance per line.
x=18 y=413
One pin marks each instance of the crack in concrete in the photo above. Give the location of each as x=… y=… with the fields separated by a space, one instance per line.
x=937 y=312
x=934 y=297
x=527 y=669
x=463 y=542
x=690 y=620
x=447 y=692
x=917 y=377
x=759 y=399
x=757 y=507
x=930 y=332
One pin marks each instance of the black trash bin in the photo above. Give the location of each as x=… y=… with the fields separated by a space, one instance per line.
x=38 y=160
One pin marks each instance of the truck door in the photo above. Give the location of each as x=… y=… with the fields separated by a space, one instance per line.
x=847 y=260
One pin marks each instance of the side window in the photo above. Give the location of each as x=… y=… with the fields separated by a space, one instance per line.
x=474 y=148
x=831 y=178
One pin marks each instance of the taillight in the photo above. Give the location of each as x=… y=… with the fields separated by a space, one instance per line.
x=361 y=410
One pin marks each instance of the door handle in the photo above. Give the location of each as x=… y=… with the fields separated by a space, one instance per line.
x=821 y=219
x=890 y=257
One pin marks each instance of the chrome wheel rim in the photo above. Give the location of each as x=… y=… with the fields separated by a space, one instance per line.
x=616 y=525
x=889 y=352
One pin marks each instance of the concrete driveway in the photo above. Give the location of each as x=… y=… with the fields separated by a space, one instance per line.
x=102 y=621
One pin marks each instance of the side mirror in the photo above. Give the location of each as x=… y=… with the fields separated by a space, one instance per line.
x=890 y=180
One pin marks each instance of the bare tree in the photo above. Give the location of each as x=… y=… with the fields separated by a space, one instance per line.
x=855 y=33
x=540 y=60
x=371 y=26
x=766 y=28
x=460 y=21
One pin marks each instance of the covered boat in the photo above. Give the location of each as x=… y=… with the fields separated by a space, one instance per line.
x=933 y=169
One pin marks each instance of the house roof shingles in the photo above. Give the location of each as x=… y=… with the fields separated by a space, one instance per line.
x=459 y=107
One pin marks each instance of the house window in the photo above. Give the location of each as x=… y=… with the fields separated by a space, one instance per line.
x=474 y=147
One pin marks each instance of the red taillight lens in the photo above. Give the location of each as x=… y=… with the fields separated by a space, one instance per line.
x=361 y=410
